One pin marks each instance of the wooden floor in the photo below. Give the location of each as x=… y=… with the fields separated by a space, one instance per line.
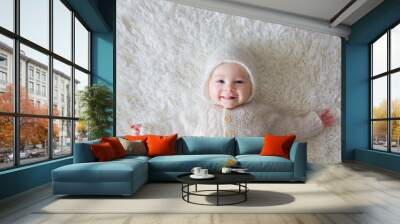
x=378 y=188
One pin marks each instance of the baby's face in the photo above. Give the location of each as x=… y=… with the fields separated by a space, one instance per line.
x=229 y=85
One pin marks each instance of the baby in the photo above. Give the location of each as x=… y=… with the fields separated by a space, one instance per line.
x=229 y=85
x=229 y=89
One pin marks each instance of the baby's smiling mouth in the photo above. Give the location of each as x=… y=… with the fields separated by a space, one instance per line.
x=227 y=97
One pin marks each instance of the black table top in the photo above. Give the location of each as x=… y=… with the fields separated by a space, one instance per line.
x=220 y=178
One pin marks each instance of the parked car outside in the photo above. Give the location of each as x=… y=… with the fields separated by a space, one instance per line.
x=22 y=155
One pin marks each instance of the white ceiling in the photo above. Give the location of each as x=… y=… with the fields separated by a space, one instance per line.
x=319 y=9
x=314 y=15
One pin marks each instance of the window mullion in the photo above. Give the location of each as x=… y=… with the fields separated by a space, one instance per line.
x=50 y=81
x=371 y=137
x=73 y=82
x=389 y=112
x=16 y=84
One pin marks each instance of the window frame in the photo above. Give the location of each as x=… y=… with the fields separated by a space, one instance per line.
x=15 y=72
x=388 y=74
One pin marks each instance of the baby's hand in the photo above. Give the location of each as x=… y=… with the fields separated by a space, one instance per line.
x=326 y=118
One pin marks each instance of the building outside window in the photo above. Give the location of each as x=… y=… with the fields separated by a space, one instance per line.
x=30 y=72
x=37 y=74
x=3 y=71
x=43 y=78
x=3 y=61
x=3 y=78
x=43 y=90
x=55 y=97
x=30 y=87
x=38 y=89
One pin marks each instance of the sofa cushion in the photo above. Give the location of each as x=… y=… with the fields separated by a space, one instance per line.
x=185 y=163
x=277 y=145
x=249 y=145
x=257 y=163
x=103 y=152
x=195 y=145
x=111 y=171
x=159 y=145
x=134 y=147
x=116 y=145
x=133 y=158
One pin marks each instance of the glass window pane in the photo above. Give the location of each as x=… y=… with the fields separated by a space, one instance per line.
x=395 y=47
x=395 y=135
x=35 y=21
x=33 y=139
x=379 y=55
x=34 y=72
x=6 y=142
x=395 y=95
x=62 y=138
x=379 y=98
x=379 y=135
x=81 y=81
x=62 y=89
x=81 y=131
x=62 y=29
x=81 y=45
x=6 y=74
x=7 y=14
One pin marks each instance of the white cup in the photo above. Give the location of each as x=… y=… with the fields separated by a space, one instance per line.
x=226 y=170
x=203 y=172
x=196 y=171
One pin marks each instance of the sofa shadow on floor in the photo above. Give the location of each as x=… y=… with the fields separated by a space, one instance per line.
x=256 y=198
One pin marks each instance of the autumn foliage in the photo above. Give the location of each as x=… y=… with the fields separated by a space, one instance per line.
x=380 y=127
x=33 y=130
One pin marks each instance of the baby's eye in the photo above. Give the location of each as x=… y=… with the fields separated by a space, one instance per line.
x=220 y=81
x=239 y=81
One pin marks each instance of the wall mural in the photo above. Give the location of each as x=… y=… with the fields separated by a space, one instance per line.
x=196 y=72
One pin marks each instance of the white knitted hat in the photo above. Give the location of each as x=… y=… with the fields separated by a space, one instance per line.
x=230 y=54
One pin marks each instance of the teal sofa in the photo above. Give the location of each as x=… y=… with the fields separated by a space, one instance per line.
x=125 y=176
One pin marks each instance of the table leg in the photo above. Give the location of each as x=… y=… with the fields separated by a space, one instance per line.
x=182 y=189
x=245 y=193
x=217 y=194
x=188 y=190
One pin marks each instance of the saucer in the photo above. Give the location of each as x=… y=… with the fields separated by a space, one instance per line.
x=240 y=171
x=208 y=176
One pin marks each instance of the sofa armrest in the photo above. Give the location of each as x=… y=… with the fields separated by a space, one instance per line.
x=298 y=155
x=83 y=152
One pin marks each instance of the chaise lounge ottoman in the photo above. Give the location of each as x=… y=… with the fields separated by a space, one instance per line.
x=118 y=177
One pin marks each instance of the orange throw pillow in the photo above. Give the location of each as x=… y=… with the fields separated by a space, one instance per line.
x=116 y=145
x=103 y=152
x=161 y=145
x=277 y=145
x=136 y=137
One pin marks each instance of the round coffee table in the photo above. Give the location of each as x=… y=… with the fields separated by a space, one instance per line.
x=238 y=179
